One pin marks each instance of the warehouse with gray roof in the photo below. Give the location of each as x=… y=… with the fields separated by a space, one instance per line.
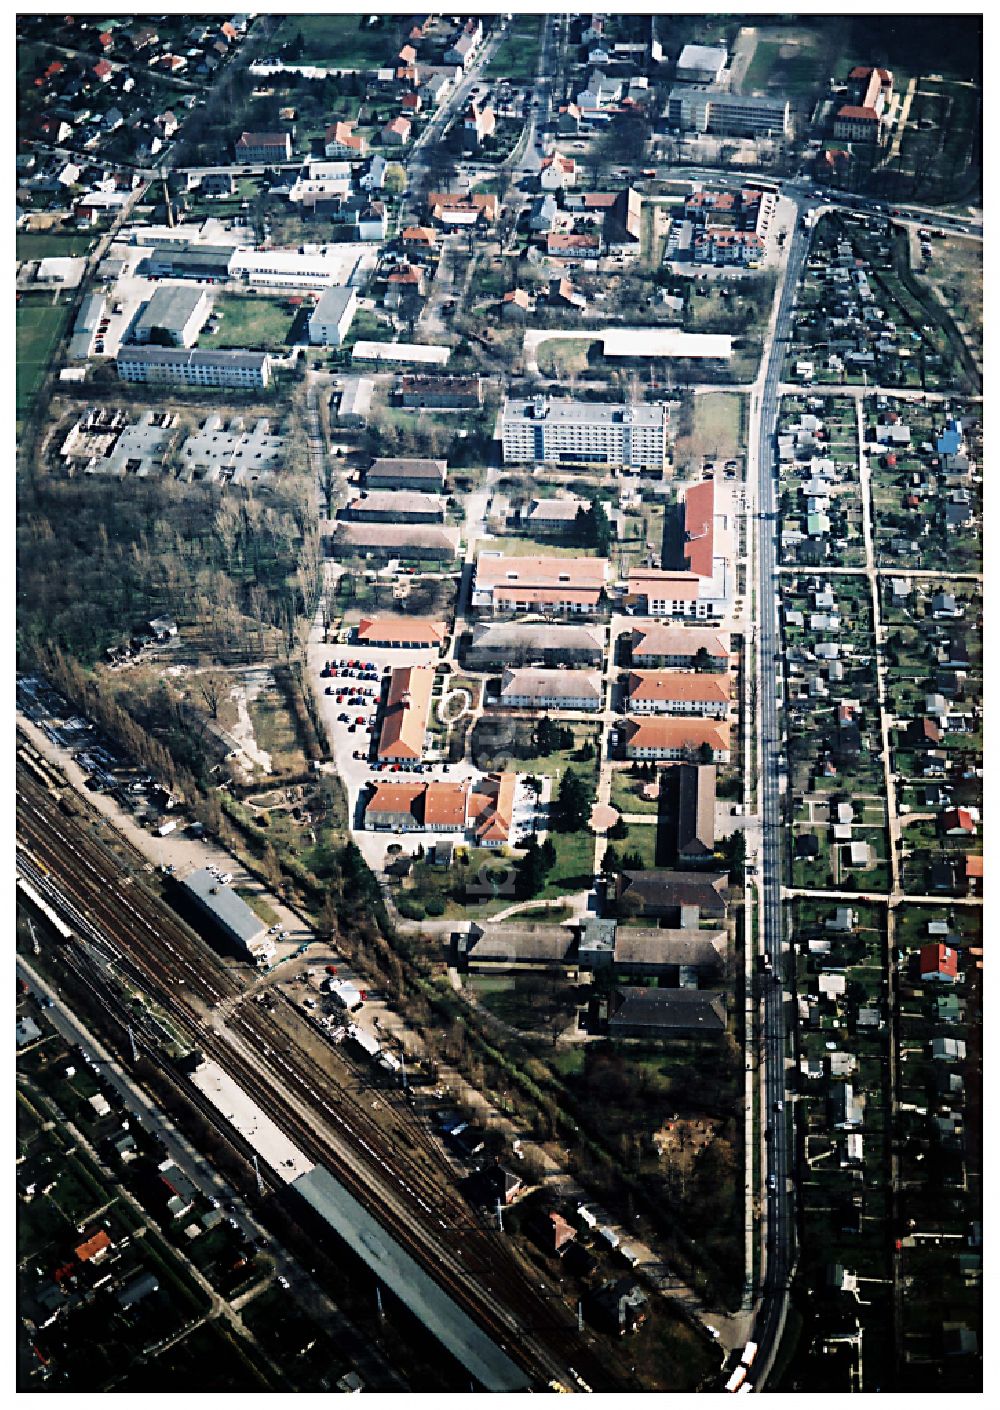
x=229 y=913
x=176 y=312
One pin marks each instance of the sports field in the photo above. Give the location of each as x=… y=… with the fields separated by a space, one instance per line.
x=39 y=328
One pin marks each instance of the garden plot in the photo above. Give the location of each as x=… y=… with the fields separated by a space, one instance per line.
x=820 y=499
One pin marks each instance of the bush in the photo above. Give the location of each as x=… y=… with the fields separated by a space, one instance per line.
x=434 y=906
x=411 y=909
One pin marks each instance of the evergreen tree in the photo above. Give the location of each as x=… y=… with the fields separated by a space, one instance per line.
x=572 y=807
x=611 y=862
x=530 y=876
x=548 y=851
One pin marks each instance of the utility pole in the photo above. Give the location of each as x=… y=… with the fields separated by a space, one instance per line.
x=499 y=1216
x=378 y=1300
x=579 y=1317
x=402 y=1061
x=256 y=1171
x=131 y=1038
x=36 y=949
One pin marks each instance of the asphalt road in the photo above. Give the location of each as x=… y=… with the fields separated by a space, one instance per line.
x=780 y=1241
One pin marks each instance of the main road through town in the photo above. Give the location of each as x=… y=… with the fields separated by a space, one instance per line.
x=779 y=1247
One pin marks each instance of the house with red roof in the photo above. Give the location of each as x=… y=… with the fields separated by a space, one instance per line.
x=397 y=132
x=974 y=875
x=938 y=964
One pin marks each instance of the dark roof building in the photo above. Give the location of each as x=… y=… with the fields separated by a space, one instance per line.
x=691 y=795
x=666 y=1013
x=665 y=894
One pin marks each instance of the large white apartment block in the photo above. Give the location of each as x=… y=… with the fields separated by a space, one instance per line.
x=194 y=367
x=585 y=433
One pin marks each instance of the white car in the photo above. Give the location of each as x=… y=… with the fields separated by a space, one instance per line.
x=283 y=1281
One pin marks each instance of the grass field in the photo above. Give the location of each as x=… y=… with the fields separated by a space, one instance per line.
x=343 y=41
x=39 y=328
x=957 y=274
x=250 y=323
x=560 y=357
x=48 y=244
x=275 y=732
x=626 y=799
x=574 y=868
x=517 y=56
x=789 y=63
x=716 y=423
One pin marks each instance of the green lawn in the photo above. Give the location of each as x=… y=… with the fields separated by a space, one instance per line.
x=574 y=868
x=517 y=56
x=765 y=56
x=520 y=546
x=559 y=357
x=47 y=244
x=250 y=323
x=718 y=423
x=39 y=329
x=642 y=839
x=344 y=41
x=625 y=798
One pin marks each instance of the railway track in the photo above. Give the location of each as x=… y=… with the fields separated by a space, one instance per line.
x=400 y=1174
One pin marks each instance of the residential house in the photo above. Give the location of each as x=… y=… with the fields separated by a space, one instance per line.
x=569 y=119
x=938 y=964
x=340 y=140
x=507 y=584
x=406 y=473
x=515 y=306
x=374 y=178
x=557 y=172
x=463 y=208
x=266 y=147
x=562 y=294
x=404 y=287
x=657 y=645
x=544 y=214
x=646 y=737
x=396 y=133
x=539 y=688
x=419 y=237
x=600 y=93
x=478 y=124
x=678 y=692
x=498 y=644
